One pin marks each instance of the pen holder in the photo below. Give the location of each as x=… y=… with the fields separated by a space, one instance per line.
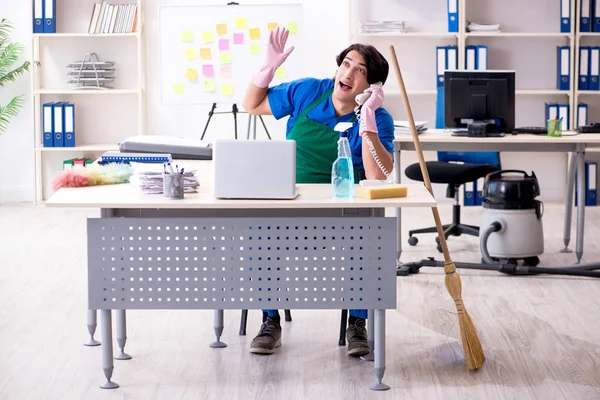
x=554 y=128
x=173 y=186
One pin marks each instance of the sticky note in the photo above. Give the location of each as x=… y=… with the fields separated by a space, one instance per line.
x=210 y=85
x=227 y=89
x=240 y=23
x=292 y=27
x=191 y=54
x=191 y=74
x=238 y=38
x=205 y=53
x=225 y=57
x=208 y=70
x=254 y=33
x=221 y=29
x=226 y=71
x=178 y=89
x=223 y=44
x=207 y=37
x=254 y=48
x=271 y=26
x=187 y=36
x=280 y=72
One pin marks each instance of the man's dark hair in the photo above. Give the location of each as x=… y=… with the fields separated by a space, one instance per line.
x=377 y=65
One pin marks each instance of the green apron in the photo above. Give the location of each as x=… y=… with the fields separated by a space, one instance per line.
x=316 y=147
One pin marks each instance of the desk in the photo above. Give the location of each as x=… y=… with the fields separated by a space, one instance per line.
x=314 y=252
x=442 y=140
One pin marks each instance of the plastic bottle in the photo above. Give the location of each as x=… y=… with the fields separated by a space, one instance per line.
x=342 y=171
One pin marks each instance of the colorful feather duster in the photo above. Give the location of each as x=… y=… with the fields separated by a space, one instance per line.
x=93 y=175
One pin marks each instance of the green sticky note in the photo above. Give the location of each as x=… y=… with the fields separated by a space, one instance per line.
x=292 y=27
x=280 y=72
x=207 y=37
x=254 y=48
x=178 y=89
x=210 y=85
x=187 y=36
x=227 y=89
x=225 y=57
x=191 y=54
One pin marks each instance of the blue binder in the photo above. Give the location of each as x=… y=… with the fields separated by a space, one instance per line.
x=563 y=67
x=596 y=16
x=591 y=183
x=49 y=16
x=452 y=15
x=582 y=113
x=441 y=62
x=59 y=115
x=471 y=57
x=594 y=68
x=584 y=68
x=439 y=109
x=585 y=22
x=479 y=191
x=69 y=124
x=38 y=16
x=469 y=194
x=48 y=125
x=565 y=16
x=481 y=61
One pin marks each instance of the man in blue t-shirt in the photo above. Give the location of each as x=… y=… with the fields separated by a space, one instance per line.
x=314 y=107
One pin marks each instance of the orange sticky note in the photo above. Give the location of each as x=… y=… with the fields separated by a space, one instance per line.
x=227 y=89
x=207 y=37
x=254 y=48
x=178 y=89
x=292 y=27
x=254 y=33
x=240 y=23
x=210 y=85
x=205 y=53
x=221 y=29
x=225 y=57
x=271 y=26
x=191 y=54
x=187 y=36
x=192 y=74
x=280 y=72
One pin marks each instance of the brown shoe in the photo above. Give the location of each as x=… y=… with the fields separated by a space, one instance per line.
x=356 y=336
x=268 y=338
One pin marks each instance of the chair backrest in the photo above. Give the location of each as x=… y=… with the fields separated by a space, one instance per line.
x=470 y=157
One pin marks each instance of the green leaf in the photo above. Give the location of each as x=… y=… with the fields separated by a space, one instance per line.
x=10 y=110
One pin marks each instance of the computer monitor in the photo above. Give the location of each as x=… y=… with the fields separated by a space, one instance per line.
x=483 y=102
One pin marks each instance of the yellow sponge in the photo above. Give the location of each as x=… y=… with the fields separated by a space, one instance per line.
x=381 y=192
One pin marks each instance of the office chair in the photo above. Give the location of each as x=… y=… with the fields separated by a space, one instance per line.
x=476 y=165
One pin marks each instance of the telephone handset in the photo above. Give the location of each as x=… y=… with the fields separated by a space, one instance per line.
x=360 y=100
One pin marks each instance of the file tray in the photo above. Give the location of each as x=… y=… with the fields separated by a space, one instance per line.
x=179 y=148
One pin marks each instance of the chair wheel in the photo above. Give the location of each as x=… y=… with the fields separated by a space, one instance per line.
x=512 y=261
x=439 y=248
x=531 y=261
x=413 y=240
x=437 y=239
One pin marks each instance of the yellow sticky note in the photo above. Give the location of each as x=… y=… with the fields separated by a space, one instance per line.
x=192 y=74
x=227 y=89
x=240 y=23
x=292 y=27
x=178 y=89
x=207 y=37
x=254 y=33
x=271 y=26
x=221 y=29
x=254 y=48
x=187 y=36
x=191 y=54
x=205 y=53
x=210 y=85
x=280 y=72
x=225 y=57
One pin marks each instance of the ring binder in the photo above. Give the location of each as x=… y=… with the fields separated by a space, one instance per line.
x=111 y=156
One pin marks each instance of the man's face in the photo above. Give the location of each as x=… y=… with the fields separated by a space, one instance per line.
x=351 y=77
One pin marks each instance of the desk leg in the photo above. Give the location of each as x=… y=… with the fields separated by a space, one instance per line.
x=107 y=349
x=121 y=335
x=398 y=179
x=218 y=330
x=91 y=325
x=569 y=202
x=370 y=336
x=379 y=350
x=580 y=200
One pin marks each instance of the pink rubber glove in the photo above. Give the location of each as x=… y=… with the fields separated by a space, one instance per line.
x=275 y=56
x=367 y=113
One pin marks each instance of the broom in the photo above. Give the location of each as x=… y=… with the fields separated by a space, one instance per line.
x=471 y=344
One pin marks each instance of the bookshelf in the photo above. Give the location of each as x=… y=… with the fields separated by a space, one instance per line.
x=103 y=117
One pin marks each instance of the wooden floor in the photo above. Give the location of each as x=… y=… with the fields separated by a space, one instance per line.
x=541 y=335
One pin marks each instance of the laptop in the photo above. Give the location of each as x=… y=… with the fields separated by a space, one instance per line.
x=254 y=169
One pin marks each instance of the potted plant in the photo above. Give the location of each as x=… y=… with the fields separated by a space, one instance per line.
x=9 y=55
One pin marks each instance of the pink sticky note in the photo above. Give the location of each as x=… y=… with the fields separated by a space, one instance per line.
x=223 y=44
x=238 y=38
x=208 y=70
x=226 y=71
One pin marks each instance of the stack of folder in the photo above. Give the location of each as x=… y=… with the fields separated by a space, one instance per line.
x=149 y=178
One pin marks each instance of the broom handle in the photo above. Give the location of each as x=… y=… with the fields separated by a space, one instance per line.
x=417 y=143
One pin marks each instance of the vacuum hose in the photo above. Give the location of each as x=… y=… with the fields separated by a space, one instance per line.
x=493 y=227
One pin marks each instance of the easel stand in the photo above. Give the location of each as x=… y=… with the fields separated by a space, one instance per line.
x=235 y=111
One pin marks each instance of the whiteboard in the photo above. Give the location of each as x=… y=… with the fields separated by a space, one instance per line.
x=210 y=53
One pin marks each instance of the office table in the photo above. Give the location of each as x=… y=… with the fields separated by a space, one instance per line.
x=442 y=140
x=313 y=252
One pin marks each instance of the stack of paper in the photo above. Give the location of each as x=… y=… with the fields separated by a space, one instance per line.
x=404 y=126
x=149 y=178
x=382 y=26
x=473 y=27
